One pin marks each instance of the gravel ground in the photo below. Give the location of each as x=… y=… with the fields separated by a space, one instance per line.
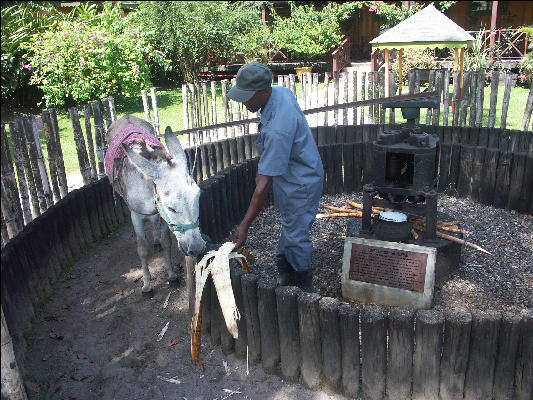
x=502 y=281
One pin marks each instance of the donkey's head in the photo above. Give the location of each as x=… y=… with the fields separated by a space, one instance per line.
x=176 y=194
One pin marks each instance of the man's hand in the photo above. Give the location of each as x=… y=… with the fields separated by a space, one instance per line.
x=239 y=237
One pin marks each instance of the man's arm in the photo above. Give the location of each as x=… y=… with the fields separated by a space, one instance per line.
x=262 y=185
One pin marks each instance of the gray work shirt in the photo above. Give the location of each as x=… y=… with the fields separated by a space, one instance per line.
x=288 y=151
x=290 y=156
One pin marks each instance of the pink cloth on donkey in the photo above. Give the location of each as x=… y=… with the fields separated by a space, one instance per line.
x=115 y=151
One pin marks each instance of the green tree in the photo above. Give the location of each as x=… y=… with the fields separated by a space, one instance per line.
x=309 y=33
x=190 y=35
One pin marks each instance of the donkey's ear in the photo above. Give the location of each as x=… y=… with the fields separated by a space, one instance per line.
x=174 y=148
x=147 y=168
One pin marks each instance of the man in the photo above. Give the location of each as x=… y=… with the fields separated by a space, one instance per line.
x=289 y=161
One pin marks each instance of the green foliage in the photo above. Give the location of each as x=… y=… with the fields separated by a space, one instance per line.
x=19 y=23
x=309 y=33
x=190 y=35
x=81 y=62
x=477 y=57
x=414 y=59
x=526 y=63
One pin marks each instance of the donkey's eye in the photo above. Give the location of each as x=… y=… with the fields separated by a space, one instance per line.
x=171 y=209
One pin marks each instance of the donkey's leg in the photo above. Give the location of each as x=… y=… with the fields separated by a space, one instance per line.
x=142 y=248
x=166 y=244
x=158 y=225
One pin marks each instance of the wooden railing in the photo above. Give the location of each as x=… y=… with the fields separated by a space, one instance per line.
x=513 y=42
x=341 y=55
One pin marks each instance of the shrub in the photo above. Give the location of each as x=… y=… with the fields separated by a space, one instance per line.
x=414 y=59
x=526 y=63
x=308 y=33
x=190 y=35
x=80 y=62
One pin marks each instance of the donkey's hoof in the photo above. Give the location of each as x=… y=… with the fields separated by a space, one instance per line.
x=174 y=283
x=157 y=247
x=148 y=295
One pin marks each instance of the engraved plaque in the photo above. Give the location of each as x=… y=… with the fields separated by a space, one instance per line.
x=391 y=267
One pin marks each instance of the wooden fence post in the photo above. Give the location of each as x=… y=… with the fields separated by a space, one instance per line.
x=23 y=148
x=99 y=134
x=354 y=97
x=153 y=94
x=224 y=84
x=374 y=351
x=363 y=86
x=426 y=360
x=214 y=118
x=400 y=353
x=112 y=111
x=506 y=358
x=480 y=94
x=493 y=97
x=253 y=331
x=506 y=97
x=326 y=97
x=52 y=153
x=90 y=142
x=14 y=220
x=431 y=87
x=107 y=113
x=309 y=327
x=83 y=159
x=268 y=321
x=330 y=336
x=146 y=107
x=527 y=111
x=482 y=354
x=472 y=97
x=455 y=99
x=289 y=341
x=349 y=328
x=60 y=165
x=446 y=97
x=185 y=107
x=40 y=175
x=12 y=386
x=454 y=360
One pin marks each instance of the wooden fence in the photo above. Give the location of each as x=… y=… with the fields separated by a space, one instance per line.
x=464 y=107
x=29 y=185
x=370 y=351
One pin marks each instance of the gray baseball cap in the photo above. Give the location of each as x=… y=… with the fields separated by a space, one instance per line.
x=251 y=78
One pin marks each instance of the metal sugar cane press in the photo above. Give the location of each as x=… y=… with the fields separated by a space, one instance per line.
x=404 y=176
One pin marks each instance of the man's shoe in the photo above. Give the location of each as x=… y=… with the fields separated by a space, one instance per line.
x=304 y=280
x=285 y=272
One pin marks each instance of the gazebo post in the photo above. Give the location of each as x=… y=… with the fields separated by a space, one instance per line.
x=455 y=58
x=386 y=72
x=400 y=78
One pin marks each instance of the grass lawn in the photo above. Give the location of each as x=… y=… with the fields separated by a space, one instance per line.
x=171 y=114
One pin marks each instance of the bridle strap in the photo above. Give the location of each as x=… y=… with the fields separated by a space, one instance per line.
x=171 y=226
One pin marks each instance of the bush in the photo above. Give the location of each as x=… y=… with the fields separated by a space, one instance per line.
x=526 y=63
x=414 y=59
x=190 y=35
x=307 y=34
x=80 y=63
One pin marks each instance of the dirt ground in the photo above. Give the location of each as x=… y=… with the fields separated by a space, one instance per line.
x=97 y=339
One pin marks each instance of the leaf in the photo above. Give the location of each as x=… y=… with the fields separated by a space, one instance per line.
x=55 y=335
x=174 y=341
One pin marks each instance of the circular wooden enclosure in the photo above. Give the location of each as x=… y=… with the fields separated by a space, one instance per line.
x=304 y=336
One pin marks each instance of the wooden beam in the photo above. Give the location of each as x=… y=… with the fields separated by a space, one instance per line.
x=455 y=58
